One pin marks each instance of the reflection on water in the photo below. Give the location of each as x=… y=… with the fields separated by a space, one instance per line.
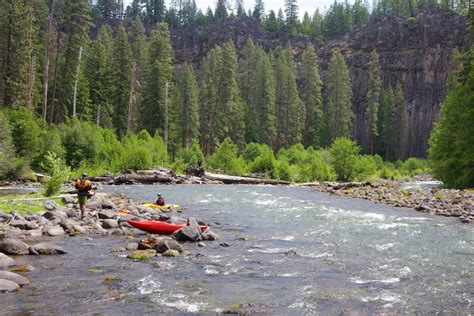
x=292 y=251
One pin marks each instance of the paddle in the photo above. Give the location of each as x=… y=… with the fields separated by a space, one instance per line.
x=127 y=212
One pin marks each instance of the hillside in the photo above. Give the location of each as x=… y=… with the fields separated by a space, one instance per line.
x=417 y=51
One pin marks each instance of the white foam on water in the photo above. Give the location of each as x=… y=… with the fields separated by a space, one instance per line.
x=203 y=201
x=148 y=285
x=266 y=202
x=288 y=275
x=405 y=271
x=392 y=225
x=384 y=247
x=285 y=238
x=318 y=255
x=268 y=250
x=210 y=270
x=183 y=305
x=385 y=296
x=358 y=280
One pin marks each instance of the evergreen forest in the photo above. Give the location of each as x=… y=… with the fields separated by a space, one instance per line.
x=97 y=85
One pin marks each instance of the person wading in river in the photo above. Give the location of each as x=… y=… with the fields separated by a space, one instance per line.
x=83 y=187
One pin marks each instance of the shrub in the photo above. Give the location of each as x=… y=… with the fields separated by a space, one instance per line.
x=264 y=163
x=315 y=169
x=57 y=172
x=225 y=158
x=365 y=167
x=413 y=166
x=25 y=132
x=344 y=156
x=191 y=155
x=283 y=171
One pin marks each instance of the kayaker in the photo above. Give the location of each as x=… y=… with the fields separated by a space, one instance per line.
x=83 y=187
x=160 y=201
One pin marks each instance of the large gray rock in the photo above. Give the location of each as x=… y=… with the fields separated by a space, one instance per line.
x=23 y=224
x=68 y=199
x=33 y=232
x=71 y=213
x=8 y=286
x=50 y=205
x=110 y=223
x=47 y=248
x=6 y=261
x=209 y=235
x=12 y=246
x=55 y=231
x=18 y=279
x=107 y=204
x=107 y=214
x=94 y=204
x=188 y=233
x=164 y=244
x=52 y=214
x=67 y=225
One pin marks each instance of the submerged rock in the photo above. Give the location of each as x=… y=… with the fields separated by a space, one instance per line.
x=8 y=286
x=47 y=248
x=6 y=261
x=164 y=244
x=18 y=279
x=140 y=255
x=171 y=253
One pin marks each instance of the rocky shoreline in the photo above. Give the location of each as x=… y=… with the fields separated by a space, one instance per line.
x=434 y=201
x=30 y=234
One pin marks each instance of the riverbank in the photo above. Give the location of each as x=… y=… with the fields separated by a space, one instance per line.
x=434 y=201
x=37 y=233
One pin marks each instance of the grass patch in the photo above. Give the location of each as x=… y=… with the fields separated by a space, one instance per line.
x=23 y=203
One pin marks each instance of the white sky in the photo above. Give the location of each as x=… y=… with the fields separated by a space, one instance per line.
x=305 y=5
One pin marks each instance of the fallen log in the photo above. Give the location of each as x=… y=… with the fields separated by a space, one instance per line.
x=227 y=179
x=140 y=178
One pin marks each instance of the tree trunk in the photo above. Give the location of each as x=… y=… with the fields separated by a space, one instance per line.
x=31 y=85
x=46 y=61
x=56 y=63
x=165 y=130
x=78 y=69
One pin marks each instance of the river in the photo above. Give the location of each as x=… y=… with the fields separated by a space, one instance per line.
x=292 y=251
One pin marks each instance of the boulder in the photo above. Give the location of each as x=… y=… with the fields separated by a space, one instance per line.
x=67 y=224
x=164 y=244
x=33 y=232
x=188 y=233
x=132 y=246
x=18 y=279
x=110 y=223
x=47 y=248
x=78 y=228
x=107 y=204
x=23 y=224
x=209 y=235
x=6 y=261
x=12 y=246
x=52 y=214
x=50 y=205
x=107 y=214
x=192 y=222
x=68 y=199
x=8 y=286
x=94 y=204
x=171 y=253
x=71 y=213
x=55 y=231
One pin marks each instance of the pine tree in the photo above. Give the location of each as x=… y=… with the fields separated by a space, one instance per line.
x=259 y=11
x=239 y=6
x=290 y=111
x=270 y=24
x=291 y=12
x=98 y=70
x=221 y=10
x=16 y=48
x=373 y=97
x=339 y=94
x=158 y=73
x=399 y=104
x=311 y=85
x=187 y=120
x=387 y=122
x=121 y=76
x=77 y=24
x=222 y=109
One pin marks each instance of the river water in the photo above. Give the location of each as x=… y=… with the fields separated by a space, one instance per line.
x=292 y=251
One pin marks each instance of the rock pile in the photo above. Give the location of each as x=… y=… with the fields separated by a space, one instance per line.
x=436 y=201
x=30 y=234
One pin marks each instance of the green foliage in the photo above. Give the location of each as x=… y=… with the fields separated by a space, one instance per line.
x=225 y=158
x=344 y=158
x=191 y=155
x=25 y=132
x=57 y=172
x=315 y=169
x=413 y=166
x=451 y=149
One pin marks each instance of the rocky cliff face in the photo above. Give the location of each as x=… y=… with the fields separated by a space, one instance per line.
x=416 y=52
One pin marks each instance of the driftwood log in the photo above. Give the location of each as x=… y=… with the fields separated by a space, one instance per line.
x=226 y=179
x=169 y=177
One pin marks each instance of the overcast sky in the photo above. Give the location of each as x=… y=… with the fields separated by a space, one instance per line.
x=304 y=5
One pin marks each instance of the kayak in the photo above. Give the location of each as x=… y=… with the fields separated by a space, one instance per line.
x=164 y=207
x=158 y=227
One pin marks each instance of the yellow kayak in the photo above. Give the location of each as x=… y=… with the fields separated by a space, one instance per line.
x=164 y=207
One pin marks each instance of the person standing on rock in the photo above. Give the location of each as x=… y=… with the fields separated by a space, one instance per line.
x=83 y=186
x=160 y=200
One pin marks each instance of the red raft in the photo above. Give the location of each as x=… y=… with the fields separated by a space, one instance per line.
x=158 y=227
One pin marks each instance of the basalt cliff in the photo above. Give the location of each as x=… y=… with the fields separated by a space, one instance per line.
x=417 y=52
